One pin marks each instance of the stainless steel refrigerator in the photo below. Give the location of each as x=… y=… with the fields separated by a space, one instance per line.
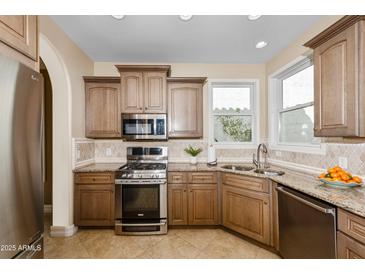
x=21 y=161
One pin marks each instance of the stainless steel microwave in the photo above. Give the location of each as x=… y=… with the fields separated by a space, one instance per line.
x=137 y=126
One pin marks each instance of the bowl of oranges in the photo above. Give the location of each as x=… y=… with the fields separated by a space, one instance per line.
x=338 y=177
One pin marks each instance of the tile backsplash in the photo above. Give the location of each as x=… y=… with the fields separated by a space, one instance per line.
x=87 y=150
x=115 y=151
x=355 y=154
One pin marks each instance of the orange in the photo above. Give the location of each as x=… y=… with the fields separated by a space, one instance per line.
x=322 y=175
x=345 y=177
x=357 y=179
x=332 y=170
x=334 y=175
x=351 y=181
x=337 y=168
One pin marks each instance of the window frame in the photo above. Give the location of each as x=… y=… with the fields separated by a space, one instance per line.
x=275 y=101
x=254 y=111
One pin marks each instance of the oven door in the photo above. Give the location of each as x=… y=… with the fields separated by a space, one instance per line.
x=144 y=126
x=136 y=201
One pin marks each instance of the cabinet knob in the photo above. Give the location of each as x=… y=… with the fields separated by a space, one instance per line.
x=184 y=190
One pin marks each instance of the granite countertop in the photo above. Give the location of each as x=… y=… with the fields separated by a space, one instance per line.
x=99 y=168
x=352 y=199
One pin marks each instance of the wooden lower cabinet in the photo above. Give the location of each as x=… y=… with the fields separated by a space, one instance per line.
x=202 y=204
x=247 y=212
x=177 y=204
x=94 y=201
x=192 y=203
x=348 y=248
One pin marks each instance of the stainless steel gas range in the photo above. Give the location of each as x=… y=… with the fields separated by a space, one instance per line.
x=141 y=192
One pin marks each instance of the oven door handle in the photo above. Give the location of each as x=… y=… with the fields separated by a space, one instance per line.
x=146 y=224
x=141 y=182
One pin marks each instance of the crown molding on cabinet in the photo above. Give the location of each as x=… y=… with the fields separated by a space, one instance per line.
x=101 y=79
x=195 y=80
x=333 y=30
x=141 y=68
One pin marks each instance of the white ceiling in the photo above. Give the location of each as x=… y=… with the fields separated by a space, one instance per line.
x=204 y=39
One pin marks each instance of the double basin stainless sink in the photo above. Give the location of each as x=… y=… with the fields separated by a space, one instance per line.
x=266 y=171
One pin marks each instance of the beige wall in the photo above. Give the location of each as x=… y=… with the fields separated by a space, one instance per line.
x=211 y=71
x=296 y=49
x=77 y=63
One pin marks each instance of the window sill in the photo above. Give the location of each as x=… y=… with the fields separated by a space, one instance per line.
x=234 y=146
x=308 y=149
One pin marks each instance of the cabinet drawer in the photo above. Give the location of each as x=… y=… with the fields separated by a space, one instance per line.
x=250 y=183
x=202 y=178
x=348 y=248
x=177 y=177
x=351 y=225
x=94 y=178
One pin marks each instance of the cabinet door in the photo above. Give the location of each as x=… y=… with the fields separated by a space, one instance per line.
x=185 y=110
x=247 y=212
x=102 y=110
x=94 y=205
x=132 y=92
x=21 y=33
x=335 y=85
x=202 y=204
x=348 y=248
x=177 y=204
x=154 y=92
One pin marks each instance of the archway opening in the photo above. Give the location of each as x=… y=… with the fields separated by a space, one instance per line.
x=47 y=122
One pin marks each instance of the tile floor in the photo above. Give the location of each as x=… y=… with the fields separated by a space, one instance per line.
x=177 y=244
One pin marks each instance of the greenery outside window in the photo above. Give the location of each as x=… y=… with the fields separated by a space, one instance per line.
x=232 y=113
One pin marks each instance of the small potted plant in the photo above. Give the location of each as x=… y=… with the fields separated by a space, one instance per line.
x=193 y=152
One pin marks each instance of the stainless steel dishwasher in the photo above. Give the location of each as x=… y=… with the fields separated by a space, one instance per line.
x=307 y=226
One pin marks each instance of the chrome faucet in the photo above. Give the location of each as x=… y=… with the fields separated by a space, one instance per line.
x=257 y=162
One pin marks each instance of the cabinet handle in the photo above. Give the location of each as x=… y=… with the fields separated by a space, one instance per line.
x=184 y=190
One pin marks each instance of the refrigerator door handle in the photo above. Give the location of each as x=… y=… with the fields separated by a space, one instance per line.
x=308 y=203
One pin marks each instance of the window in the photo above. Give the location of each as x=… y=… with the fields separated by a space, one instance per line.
x=232 y=112
x=291 y=96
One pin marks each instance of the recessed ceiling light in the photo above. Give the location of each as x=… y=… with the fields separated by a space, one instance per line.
x=186 y=17
x=261 y=44
x=253 y=17
x=118 y=17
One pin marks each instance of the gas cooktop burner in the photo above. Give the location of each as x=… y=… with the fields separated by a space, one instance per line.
x=143 y=166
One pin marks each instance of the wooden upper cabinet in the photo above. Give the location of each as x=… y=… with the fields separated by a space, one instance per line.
x=132 y=92
x=155 y=92
x=185 y=107
x=143 y=88
x=20 y=34
x=102 y=105
x=339 y=80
